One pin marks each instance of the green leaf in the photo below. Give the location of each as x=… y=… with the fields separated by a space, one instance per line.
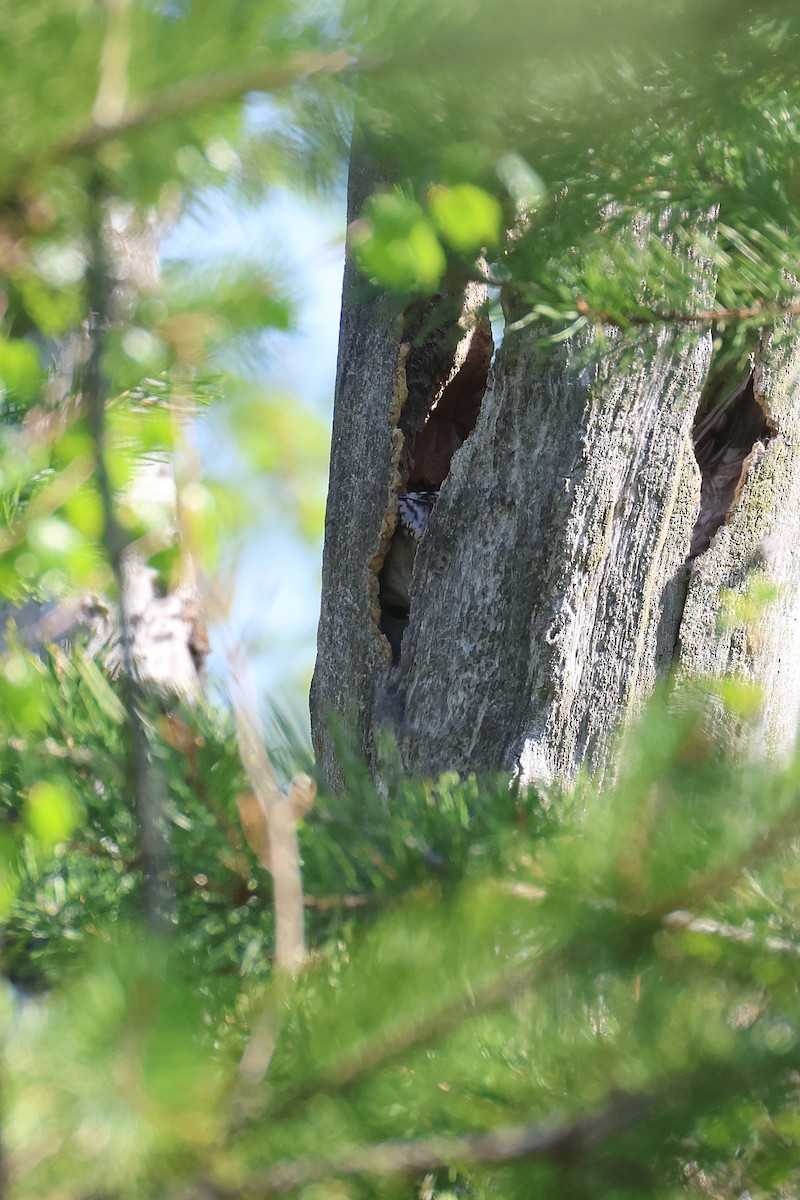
x=53 y=539
x=52 y=811
x=21 y=374
x=396 y=246
x=466 y=216
x=21 y=696
x=525 y=186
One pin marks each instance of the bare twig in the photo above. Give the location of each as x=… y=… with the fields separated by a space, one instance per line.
x=112 y=91
x=191 y=94
x=269 y=825
x=704 y=317
x=583 y=314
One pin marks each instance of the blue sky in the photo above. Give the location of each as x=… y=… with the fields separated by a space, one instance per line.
x=276 y=596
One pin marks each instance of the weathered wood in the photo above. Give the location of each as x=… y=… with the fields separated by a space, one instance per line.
x=366 y=446
x=548 y=588
x=758 y=544
x=563 y=569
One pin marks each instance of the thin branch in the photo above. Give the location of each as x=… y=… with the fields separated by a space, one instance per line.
x=687 y=921
x=328 y=903
x=708 y=316
x=215 y=87
x=399 y=1039
x=776 y=838
x=112 y=91
x=188 y=95
x=146 y=782
x=583 y=313
x=272 y=808
x=563 y=1143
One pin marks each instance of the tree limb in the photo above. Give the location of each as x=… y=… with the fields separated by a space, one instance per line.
x=560 y=1142
x=145 y=780
x=187 y=96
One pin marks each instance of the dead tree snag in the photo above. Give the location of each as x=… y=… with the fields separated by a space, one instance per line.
x=574 y=550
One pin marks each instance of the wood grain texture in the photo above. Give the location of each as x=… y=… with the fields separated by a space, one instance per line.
x=548 y=588
x=555 y=582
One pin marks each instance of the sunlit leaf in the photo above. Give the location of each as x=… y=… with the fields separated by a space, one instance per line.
x=468 y=218
x=52 y=811
x=21 y=374
x=396 y=245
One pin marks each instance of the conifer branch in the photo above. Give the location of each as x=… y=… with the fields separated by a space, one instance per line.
x=564 y=1143
x=403 y=1037
x=191 y=95
x=708 y=316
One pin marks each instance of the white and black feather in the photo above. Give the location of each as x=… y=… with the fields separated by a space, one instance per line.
x=413 y=510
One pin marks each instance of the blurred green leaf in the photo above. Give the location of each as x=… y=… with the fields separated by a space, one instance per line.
x=21 y=374
x=52 y=812
x=468 y=218
x=395 y=244
x=525 y=186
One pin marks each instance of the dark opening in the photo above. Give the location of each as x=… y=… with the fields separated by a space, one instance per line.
x=446 y=381
x=723 y=438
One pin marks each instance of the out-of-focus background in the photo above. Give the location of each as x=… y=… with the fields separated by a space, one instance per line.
x=273 y=564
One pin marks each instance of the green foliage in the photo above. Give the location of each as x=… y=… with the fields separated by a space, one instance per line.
x=481 y=960
x=396 y=245
x=633 y=124
x=613 y=971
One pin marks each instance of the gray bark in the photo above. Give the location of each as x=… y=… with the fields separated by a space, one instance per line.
x=555 y=583
x=354 y=660
x=560 y=544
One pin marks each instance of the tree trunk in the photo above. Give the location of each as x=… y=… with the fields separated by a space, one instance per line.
x=564 y=566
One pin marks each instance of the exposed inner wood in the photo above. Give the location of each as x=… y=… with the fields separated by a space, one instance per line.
x=723 y=441
x=452 y=389
x=453 y=414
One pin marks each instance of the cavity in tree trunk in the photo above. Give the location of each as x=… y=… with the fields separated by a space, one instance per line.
x=573 y=553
